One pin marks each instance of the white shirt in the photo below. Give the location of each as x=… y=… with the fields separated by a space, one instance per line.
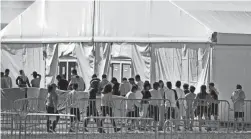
x=80 y=81
x=124 y=88
x=9 y=81
x=73 y=99
x=169 y=94
x=131 y=102
x=140 y=85
x=155 y=95
x=106 y=100
x=35 y=82
x=238 y=98
x=180 y=93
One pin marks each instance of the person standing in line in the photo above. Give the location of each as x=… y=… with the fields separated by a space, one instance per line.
x=107 y=105
x=238 y=99
x=95 y=78
x=22 y=80
x=201 y=102
x=51 y=107
x=181 y=95
x=73 y=100
x=132 y=82
x=115 y=87
x=92 y=107
x=8 y=79
x=186 y=88
x=173 y=109
x=146 y=96
x=104 y=82
x=76 y=79
x=189 y=97
x=62 y=83
x=132 y=105
x=36 y=81
x=139 y=82
x=162 y=89
x=125 y=87
x=155 y=104
x=4 y=83
x=213 y=108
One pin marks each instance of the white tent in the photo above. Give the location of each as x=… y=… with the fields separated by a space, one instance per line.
x=159 y=33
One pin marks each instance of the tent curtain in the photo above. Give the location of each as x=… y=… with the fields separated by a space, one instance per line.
x=51 y=54
x=27 y=57
x=85 y=59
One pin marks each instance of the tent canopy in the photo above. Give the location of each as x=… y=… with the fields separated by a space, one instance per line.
x=105 y=21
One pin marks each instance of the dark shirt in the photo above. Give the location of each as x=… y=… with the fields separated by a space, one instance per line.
x=21 y=82
x=213 y=95
x=63 y=84
x=115 y=89
x=92 y=93
x=146 y=95
x=186 y=91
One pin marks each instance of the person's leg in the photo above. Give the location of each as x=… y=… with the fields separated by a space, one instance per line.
x=192 y=119
x=200 y=114
x=86 y=121
x=48 y=123
x=55 y=122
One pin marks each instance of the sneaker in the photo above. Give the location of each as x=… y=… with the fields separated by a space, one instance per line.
x=71 y=130
x=100 y=130
x=117 y=129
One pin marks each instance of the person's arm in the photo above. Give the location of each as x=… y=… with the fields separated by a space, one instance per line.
x=10 y=82
x=195 y=103
x=17 y=80
x=28 y=83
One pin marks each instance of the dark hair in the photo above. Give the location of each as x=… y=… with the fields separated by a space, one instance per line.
x=131 y=79
x=238 y=86
x=7 y=70
x=75 y=86
x=185 y=86
x=124 y=79
x=211 y=84
x=74 y=71
x=103 y=76
x=114 y=80
x=178 y=84
x=94 y=76
x=34 y=74
x=50 y=88
x=203 y=88
x=192 y=89
x=137 y=77
x=169 y=85
x=134 y=87
x=155 y=85
x=147 y=85
x=160 y=81
x=59 y=77
x=107 y=89
x=21 y=71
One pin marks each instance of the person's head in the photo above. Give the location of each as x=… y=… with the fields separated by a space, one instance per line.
x=134 y=88
x=192 y=89
x=49 y=88
x=178 y=84
x=185 y=86
x=124 y=79
x=59 y=77
x=169 y=85
x=2 y=74
x=74 y=72
x=161 y=84
x=107 y=89
x=75 y=86
x=95 y=84
x=94 y=76
x=114 y=80
x=137 y=77
x=54 y=87
x=104 y=76
x=34 y=74
x=21 y=72
x=147 y=86
x=131 y=80
x=7 y=72
x=156 y=85
x=238 y=86
x=211 y=85
x=203 y=89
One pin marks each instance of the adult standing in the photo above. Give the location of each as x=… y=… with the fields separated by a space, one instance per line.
x=139 y=83
x=62 y=83
x=76 y=79
x=4 y=83
x=7 y=77
x=125 y=87
x=22 y=80
x=115 y=87
x=104 y=82
x=213 y=109
x=181 y=95
x=36 y=81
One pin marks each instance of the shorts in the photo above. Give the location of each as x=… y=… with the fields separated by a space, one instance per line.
x=213 y=109
x=202 y=110
x=134 y=113
x=154 y=112
x=171 y=113
x=238 y=115
x=76 y=112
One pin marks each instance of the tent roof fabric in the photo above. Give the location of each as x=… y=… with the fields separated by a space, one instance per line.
x=146 y=21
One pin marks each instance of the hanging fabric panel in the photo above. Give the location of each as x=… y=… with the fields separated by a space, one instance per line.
x=51 y=54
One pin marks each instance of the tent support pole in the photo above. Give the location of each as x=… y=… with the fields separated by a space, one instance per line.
x=92 y=39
